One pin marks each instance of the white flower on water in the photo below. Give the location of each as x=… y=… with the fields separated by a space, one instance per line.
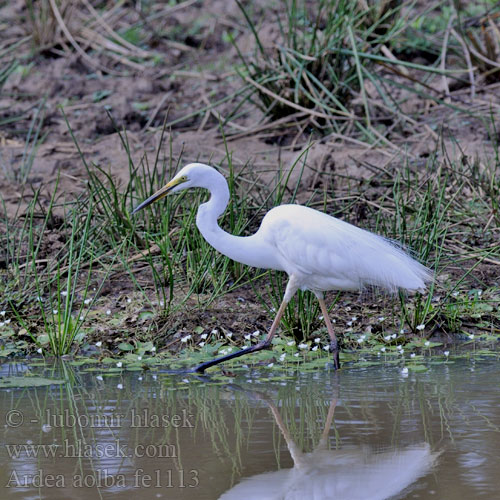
x=296 y=354
x=119 y=386
x=303 y=346
x=399 y=348
x=55 y=311
x=382 y=349
x=99 y=377
x=139 y=358
x=98 y=344
x=3 y=313
x=455 y=294
x=412 y=355
x=39 y=350
x=404 y=371
x=282 y=357
x=153 y=349
x=393 y=336
x=315 y=348
x=402 y=331
x=64 y=293
x=82 y=317
x=214 y=331
x=204 y=336
x=129 y=300
x=471 y=336
x=119 y=364
x=382 y=318
x=321 y=317
x=420 y=327
x=108 y=312
x=401 y=351
x=360 y=340
x=292 y=342
x=326 y=348
x=201 y=344
x=256 y=333
x=387 y=337
x=139 y=378
x=354 y=318
x=87 y=301
x=229 y=335
x=427 y=343
x=317 y=340
x=2 y=323
x=349 y=323
x=248 y=337
x=270 y=365
x=155 y=377
x=186 y=338
x=446 y=353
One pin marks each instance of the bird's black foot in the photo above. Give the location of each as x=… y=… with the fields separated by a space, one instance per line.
x=334 y=349
x=257 y=347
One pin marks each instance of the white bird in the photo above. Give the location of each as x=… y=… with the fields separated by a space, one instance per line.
x=317 y=251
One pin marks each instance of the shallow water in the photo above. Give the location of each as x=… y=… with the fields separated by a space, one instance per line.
x=367 y=433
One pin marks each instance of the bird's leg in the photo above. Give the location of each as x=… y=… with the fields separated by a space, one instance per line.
x=334 y=346
x=265 y=344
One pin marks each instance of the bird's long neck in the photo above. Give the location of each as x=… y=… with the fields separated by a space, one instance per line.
x=247 y=250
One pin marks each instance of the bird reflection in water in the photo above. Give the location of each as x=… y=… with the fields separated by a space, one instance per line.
x=350 y=473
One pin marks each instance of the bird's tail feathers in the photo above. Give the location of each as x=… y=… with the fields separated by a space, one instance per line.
x=393 y=268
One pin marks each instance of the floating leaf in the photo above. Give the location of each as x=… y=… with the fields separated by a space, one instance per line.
x=417 y=368
x=6 y=382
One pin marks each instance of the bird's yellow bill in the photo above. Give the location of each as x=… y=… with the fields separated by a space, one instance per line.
x=158 y=195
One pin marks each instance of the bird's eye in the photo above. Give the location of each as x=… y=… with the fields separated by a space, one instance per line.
x=184 y=178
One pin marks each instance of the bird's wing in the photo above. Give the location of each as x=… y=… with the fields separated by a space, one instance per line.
x=314 y=244
x=318 y=245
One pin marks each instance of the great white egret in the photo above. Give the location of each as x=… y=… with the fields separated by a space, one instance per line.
x=318 y=252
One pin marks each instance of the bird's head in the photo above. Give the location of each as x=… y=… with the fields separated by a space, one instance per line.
x=192 y=175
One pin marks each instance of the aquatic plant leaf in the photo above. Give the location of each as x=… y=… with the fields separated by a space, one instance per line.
x=7 y=382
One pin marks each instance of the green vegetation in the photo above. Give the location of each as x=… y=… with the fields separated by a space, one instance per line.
x=321 y=60
x=79 y=270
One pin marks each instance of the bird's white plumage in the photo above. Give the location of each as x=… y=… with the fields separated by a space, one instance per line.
x=319 y=252
x=325 y=253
